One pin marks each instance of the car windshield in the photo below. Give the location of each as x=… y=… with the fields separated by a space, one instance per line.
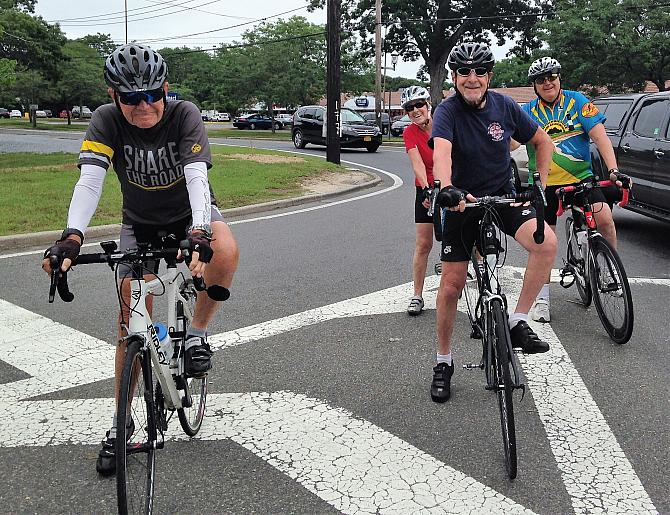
x=349 y=116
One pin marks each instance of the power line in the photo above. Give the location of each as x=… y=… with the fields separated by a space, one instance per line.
x=107 y=15
x=206 y=12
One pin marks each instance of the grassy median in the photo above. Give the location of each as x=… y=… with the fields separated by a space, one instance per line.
x=35 y=189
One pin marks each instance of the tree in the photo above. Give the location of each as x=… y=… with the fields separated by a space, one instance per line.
x=30 y=41
x=102 y=43
x=611 y=43
x=511 y=72
x=429 y=29
x=7 y=74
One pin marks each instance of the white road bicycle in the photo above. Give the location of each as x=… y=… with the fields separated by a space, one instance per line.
x=153 y=382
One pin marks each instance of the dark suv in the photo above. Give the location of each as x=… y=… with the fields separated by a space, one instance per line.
x=308 y=127
x=639 y=127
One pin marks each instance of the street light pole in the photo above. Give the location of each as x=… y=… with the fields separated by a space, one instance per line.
x=333 y=82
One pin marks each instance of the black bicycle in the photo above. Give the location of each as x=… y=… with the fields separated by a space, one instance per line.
x=592 y=264
x=487 y=306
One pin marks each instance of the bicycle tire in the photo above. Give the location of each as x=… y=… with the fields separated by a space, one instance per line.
x=136 y=459
x=503 y=383
x=574 y=258
x=615 y=307
x=191 y=417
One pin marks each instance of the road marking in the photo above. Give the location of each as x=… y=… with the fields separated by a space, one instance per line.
x=311 y=448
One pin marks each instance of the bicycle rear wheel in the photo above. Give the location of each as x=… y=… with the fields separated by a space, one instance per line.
x=136 y=459
x=611 y=291
x=190 y=417
x=499 y=332
x=574 y=258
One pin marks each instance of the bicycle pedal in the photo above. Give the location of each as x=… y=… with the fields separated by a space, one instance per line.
x=472 y=366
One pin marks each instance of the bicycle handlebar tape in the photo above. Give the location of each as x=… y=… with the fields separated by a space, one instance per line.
x=540 y=202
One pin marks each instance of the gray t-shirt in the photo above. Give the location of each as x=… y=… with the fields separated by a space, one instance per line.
x=149 y=162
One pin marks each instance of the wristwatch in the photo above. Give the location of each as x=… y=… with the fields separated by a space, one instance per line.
x=205 y=229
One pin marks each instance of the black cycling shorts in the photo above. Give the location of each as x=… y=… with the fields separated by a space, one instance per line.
x=595 y=195
x=461 y=230
x=144 y=233
x=420 y=212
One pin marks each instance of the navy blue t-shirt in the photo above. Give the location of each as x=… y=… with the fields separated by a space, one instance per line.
x=480 y=141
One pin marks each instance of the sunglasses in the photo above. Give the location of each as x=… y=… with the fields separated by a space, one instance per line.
x=480 y=71
x=135 y=97
x=551 y=77
x=415 y=105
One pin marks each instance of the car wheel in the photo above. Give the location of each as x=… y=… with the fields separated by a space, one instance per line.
x=278 y=126
x=298 y=140
x=252 y=126
x=373 y=147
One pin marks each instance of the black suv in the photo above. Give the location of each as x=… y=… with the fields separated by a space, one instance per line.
x=639 y=127
x=308 y=127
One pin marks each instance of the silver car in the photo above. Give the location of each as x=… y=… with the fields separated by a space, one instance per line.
x=398 y=127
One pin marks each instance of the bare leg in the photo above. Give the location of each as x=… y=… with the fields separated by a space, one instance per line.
x=451 y=284
x=424 y=243
x=540 y=260
x=603 y=216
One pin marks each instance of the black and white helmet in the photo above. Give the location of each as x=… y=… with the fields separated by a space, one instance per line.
x=135 y=68
x=472 y=55
x=413 y=93
x=542 y=66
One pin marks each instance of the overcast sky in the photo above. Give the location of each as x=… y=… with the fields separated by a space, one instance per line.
x=154 y=21
x=165 y=23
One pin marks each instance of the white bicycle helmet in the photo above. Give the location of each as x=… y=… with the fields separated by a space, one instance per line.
x=413 y=93
x=542 y=66
x=135 y=67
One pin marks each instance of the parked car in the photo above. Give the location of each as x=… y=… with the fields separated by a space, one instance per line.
x=40 y=114
x=222 y=117
x=398 y=127
x=85 y=112
x=520 y=168
x=285 y=118
x=63 y=114
x=256 y=121
x=371 y=119
x=308 y=127
x=4 y=113
x=48 y=113
x=15 y=113
x=639 y=127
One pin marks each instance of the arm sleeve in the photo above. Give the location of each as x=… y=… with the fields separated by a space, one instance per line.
x=589 y=114
x=86 y=196
x=198 y=192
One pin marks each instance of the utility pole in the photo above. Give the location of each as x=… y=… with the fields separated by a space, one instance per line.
x=333 y=83
x=126 y=4
x=378 y=63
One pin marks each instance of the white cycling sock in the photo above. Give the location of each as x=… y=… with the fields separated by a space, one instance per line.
x=544 y=292
x=444 y=358
x=515 y=318
x=194 y=331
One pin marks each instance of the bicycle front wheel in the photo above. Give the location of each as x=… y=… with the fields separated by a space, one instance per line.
x=574 y=258
x=190 y=417
x=501 y=361
x=611 y=291
x=135 y=440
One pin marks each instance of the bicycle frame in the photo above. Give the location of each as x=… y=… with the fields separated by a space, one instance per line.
x=140 y=324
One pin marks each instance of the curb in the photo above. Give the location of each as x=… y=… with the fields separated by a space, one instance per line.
x=23 y=241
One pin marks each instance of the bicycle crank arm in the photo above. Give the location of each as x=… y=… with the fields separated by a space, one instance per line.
x=472 y=366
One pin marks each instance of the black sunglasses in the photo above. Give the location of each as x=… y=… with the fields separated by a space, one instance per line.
x=551 y=77
x=135 y=97
x=480 y=71
x=415 y=105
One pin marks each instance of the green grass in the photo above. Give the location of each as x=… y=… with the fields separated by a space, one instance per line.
x=35 y=189
x=50 y=124
x=284 y=134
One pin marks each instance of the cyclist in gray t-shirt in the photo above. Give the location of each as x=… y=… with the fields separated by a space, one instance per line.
x=160 y=153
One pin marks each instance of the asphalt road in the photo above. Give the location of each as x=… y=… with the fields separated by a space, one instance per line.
x=323 y=405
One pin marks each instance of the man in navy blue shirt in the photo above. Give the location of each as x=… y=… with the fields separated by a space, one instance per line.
x=471 y=138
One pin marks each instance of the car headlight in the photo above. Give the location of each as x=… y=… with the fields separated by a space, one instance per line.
x=349 y=131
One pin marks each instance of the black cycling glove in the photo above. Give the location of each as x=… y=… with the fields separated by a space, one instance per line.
x=67 y=248
x=450 y=196
x=427 y=192
x=199 y=242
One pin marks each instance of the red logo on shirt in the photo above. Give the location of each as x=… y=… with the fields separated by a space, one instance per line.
x=496 y=131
